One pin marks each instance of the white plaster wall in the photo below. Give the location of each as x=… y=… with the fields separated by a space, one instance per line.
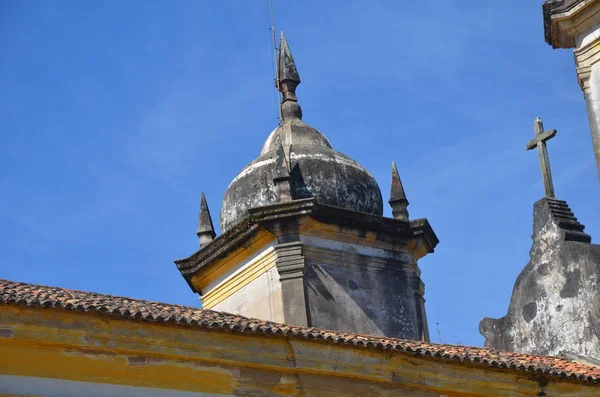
x=49 y=387
x=261 y=299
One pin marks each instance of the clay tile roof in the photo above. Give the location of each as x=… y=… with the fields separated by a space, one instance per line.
x=142 y=310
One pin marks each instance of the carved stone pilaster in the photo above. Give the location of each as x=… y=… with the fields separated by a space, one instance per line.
x=290 y=265
x=290 y=261
x=585 y=57
x=419 y=291
x=583 y=77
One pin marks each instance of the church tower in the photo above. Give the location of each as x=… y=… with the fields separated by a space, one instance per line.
x=304 y=240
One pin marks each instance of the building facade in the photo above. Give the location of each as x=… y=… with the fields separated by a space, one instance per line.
x=555 y=304
x=56 y=342
x=576 y=24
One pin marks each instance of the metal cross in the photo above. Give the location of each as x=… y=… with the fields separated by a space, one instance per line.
x=539 y=142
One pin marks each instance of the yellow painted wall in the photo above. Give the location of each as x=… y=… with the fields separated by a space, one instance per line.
x=56 y=343
x=207 y=276
x=248 y=273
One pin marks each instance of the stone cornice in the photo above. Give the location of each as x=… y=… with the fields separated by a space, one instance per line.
x=429 y=240
x=273 y=219
x=220 y=247
x=565 y=20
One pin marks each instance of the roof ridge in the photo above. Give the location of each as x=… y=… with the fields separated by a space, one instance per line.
x=2 y=288
x=12 y=292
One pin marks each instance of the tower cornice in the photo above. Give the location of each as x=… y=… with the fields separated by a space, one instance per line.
x=273 y=219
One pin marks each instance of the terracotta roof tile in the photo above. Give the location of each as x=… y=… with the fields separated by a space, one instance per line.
x=136 y=309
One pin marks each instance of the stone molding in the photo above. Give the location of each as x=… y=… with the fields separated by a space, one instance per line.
x=418 y=285
x=290 y=266
x=585 y=58
x=290 y=260
x=336 y=257
x=406 y=241
x=564 y=24
x=583 y=77
x=417 y=233
x=419 y=291
x=564 y=218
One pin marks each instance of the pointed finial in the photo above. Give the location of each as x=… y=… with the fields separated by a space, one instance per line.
x=288 y=81
x=288 y=74
x=398 y=200
x=282 y=177
x=206 y=231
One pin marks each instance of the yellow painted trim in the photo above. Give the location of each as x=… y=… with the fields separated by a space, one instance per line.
x=314 y=228
x=245 y=276
x=213 y=271
x=332 y=232
x=104 y=367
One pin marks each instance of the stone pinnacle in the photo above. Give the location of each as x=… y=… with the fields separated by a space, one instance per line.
x=398 y=200
x=206 y=231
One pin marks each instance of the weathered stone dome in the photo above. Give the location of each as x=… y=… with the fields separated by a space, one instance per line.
x=317 y=171
x=312 y=167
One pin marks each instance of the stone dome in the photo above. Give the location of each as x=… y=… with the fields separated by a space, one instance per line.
x=314 y=169
x=317 y=171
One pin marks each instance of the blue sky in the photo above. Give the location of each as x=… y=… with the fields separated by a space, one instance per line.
x=116 y=115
